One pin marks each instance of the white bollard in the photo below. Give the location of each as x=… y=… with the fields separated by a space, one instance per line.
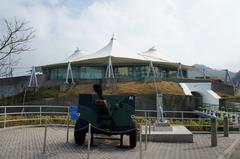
x=89 y=140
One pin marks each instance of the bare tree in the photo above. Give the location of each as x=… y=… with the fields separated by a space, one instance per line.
x=15 y=40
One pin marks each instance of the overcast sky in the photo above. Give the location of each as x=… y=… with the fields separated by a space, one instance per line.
x=186 y=31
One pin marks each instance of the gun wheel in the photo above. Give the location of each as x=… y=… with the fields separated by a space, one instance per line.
x=79 y=136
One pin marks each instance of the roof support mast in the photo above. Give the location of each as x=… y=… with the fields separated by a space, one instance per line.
x=227 y=76
x=33 y=79
x=179 y=72
x=109 y=70
x=69 y=71
x=151 y=68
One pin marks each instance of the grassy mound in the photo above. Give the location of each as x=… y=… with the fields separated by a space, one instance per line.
x=130 y=88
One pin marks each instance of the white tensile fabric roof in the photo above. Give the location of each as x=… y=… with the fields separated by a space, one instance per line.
x=119 y=55
x=77 y=54
x=114 y=49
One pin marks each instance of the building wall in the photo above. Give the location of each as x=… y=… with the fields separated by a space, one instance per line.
x=98 y=72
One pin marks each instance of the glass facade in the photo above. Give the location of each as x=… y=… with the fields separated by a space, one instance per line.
x=98 y=72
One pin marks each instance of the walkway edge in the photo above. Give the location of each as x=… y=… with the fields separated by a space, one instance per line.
x=228 y=152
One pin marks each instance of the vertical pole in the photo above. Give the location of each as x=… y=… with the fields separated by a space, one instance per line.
x=146 y=136
x=225 y=126
x=213 y=131
x=140 y=142
x=89 y=140
x=68 y=125
x=5 y=116
x=182 y=118
x=149 y=123
x=45 y=136
x=40 y=115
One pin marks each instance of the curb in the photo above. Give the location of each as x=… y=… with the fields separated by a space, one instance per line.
x=228 y=152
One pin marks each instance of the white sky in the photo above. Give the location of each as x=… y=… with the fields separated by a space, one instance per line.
x=187 y=31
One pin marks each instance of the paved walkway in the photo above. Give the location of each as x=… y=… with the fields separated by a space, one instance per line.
x=27 y=143
x=236 y=152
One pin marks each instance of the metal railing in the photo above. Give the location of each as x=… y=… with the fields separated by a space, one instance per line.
x=185 y=117
x=41 y=112
x=31 y=113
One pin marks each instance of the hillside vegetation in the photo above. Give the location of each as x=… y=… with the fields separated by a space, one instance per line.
x=129 y=88
x=133 y=88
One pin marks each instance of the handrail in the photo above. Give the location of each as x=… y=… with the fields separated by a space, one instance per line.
x=65 y=111
x=34 y=106
x=41 y=113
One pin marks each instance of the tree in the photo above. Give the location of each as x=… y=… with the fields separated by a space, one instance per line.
x=14 y=40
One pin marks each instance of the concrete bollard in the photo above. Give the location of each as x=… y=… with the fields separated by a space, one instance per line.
x=89 y=140
x=213 y=131
x=225 y=126
x=45 y=136
x=140 y=142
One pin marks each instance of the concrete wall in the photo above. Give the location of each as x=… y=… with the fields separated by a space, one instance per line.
x=223 y=88
x=16 y=85
x=12 y=86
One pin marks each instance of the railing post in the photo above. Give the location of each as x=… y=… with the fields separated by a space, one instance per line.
x=225 y=126
x=89 y=140
x=213 y=131
x=140 y=142
x=5 y=116
x=68 y=124
x=146 y=136
x=40 y=115
x=45 y=136
x=149 y=123
x=182 y=116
